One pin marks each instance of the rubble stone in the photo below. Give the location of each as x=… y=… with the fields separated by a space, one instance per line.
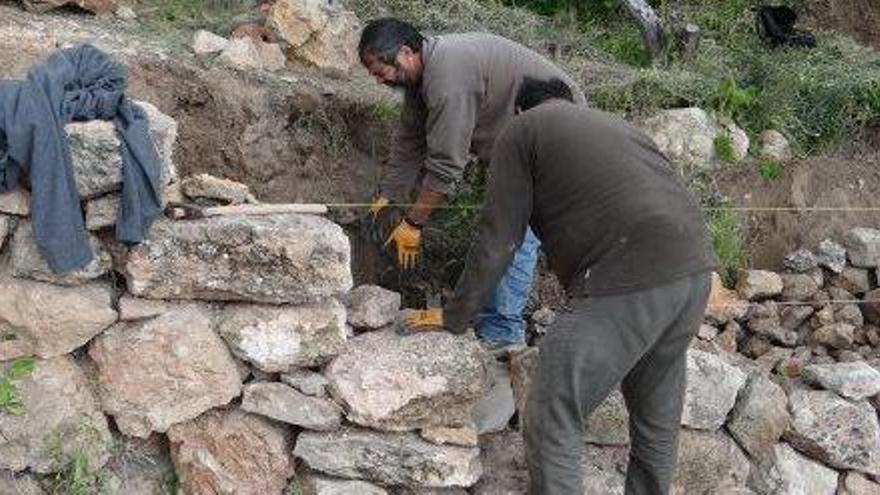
x=307 y=382
x=16 y=202
x=371 y=306
x=724 y=305
x=709 y=463
x=760 y=416
x=863 y=247
x=208 y=187
x=800 y=261
x=464 y=437
x=798 y=287
x=759 y=284
x=857 y=484
x=101 y=212
x=853 y=280
x=711 y=390
x=854 y=381
x=774 y=146
x=831 y=255
x=836 y=335
x=25 y=260
x=787 y=471
x=283 y=403
x=206 y=42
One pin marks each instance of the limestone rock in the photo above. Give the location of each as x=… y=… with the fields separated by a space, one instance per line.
x=271 y=56
x=332 y=49
x=231 y=452
x=792 y=317
x=836 y=335
x=97 y=162
x=283 y=403
x=774 y=146
x=773 y=358
x=391 y=382
x=853 y=280
x=758 y=284
x=25 y=260
x=609 y=423
x=724 y=305
x=831 y=255
x=16 y=202
x=323 y=485
x=225 y=191
x=206 y=42
x=133 y=308
x=94 y=6
x=296 y=21
x=787 y=471
x=685 y=135
x=798 y=287
x=60 y=412
x=101 y=212
x=709 y=463
x=465 y=436
x=155 y=373
x=857 y=484
x=371 y=306
x=276 y=338
x=273 y=258
x=855 y=381
x=850 y=314
x=47 y=320
x=307 y=382
x=241 y=53
x=760 y=416
x=738 y=138
x=389 y=458
x=711 y=390
x=494 y=410
x=863 y=247
x=800 y=261
x=840 y=433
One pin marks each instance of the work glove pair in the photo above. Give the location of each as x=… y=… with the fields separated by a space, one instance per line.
x=406 y=236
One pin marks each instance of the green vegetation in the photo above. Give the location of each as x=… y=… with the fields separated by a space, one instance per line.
x=724 y=148
x=728 y=241
x=10 y=399
x=171 y=20
x=74 y=474
x=770 y=169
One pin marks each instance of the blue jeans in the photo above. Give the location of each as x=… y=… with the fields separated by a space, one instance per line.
x=501 y=321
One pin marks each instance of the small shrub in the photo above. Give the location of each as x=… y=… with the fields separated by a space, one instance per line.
x=724 y=148
x=728 y=242
x=770 y=169
x=732 y=101
x=10 y=400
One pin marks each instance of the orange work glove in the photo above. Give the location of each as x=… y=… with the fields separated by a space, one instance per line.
x=407 y=239
x=421 y=321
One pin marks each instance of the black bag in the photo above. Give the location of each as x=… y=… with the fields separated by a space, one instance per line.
x=775 y=24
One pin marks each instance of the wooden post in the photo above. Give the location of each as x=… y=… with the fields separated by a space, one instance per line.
x=649 y=24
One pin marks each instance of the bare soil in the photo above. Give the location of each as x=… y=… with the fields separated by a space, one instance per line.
x=858 y=18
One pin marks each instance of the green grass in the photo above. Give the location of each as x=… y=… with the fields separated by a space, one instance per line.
x=74 y=474
x=172 y=21
x=10 y=396
x=770 y=169
x=728 y=243
x=724 y=148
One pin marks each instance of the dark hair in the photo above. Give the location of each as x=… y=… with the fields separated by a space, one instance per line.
x=533 y=92
x=383 y=38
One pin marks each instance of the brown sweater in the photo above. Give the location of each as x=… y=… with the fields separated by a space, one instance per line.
x=466 y=97
x=604 y=201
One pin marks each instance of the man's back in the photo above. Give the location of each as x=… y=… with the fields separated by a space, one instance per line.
x=606 y=203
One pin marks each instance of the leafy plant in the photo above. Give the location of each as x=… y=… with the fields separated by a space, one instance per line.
x=732 y=101
x=10 y=399
x=770 y=169
x=724 y=148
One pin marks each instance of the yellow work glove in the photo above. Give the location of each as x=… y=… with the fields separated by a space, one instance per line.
x=407 y=238
x=382 y=218
x=420 y=321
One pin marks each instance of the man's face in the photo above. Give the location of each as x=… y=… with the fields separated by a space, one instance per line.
x=402 y=74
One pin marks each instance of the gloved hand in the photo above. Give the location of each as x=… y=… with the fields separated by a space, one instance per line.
x=407 y=239
x=383 y=218
x=421 y=321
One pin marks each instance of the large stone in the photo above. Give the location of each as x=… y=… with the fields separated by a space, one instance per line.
x=724 y=305
x=784 y=470
x=831 y=255
x=685 y=135
x=283 y=403
x=801 y=261
x=494 y=410
x=166 y=370
x=853 y=280
x=307 y=382
x=774 y=146
x=609 y=423
x=47 y=320
x=208 y=187
x=371 y=306
x=231 y=452
x=133 y=308
x=836 y=335
x=101 y=212
x=857 y=484
x=273 y=258
x=332 y=50
x=759 y=284
x=97 y=162
x=16 y=202
x=792 y=317
x=25 y=260
x=856 y=380
x=296 y=21
x=61 y=420
x=851 y=314
x=863 y=247
x=276 y=338
x=465 y=436
x=323 y=485
x=23 y=484
x=711 y=390
x=94 y=6
x=798 y=287
x=760 y=416
x=738 y=139
x=391 y=382
x=389 y=458
x=840 y=433
x=709 y=463
x=206 y=42
x=249 y=54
